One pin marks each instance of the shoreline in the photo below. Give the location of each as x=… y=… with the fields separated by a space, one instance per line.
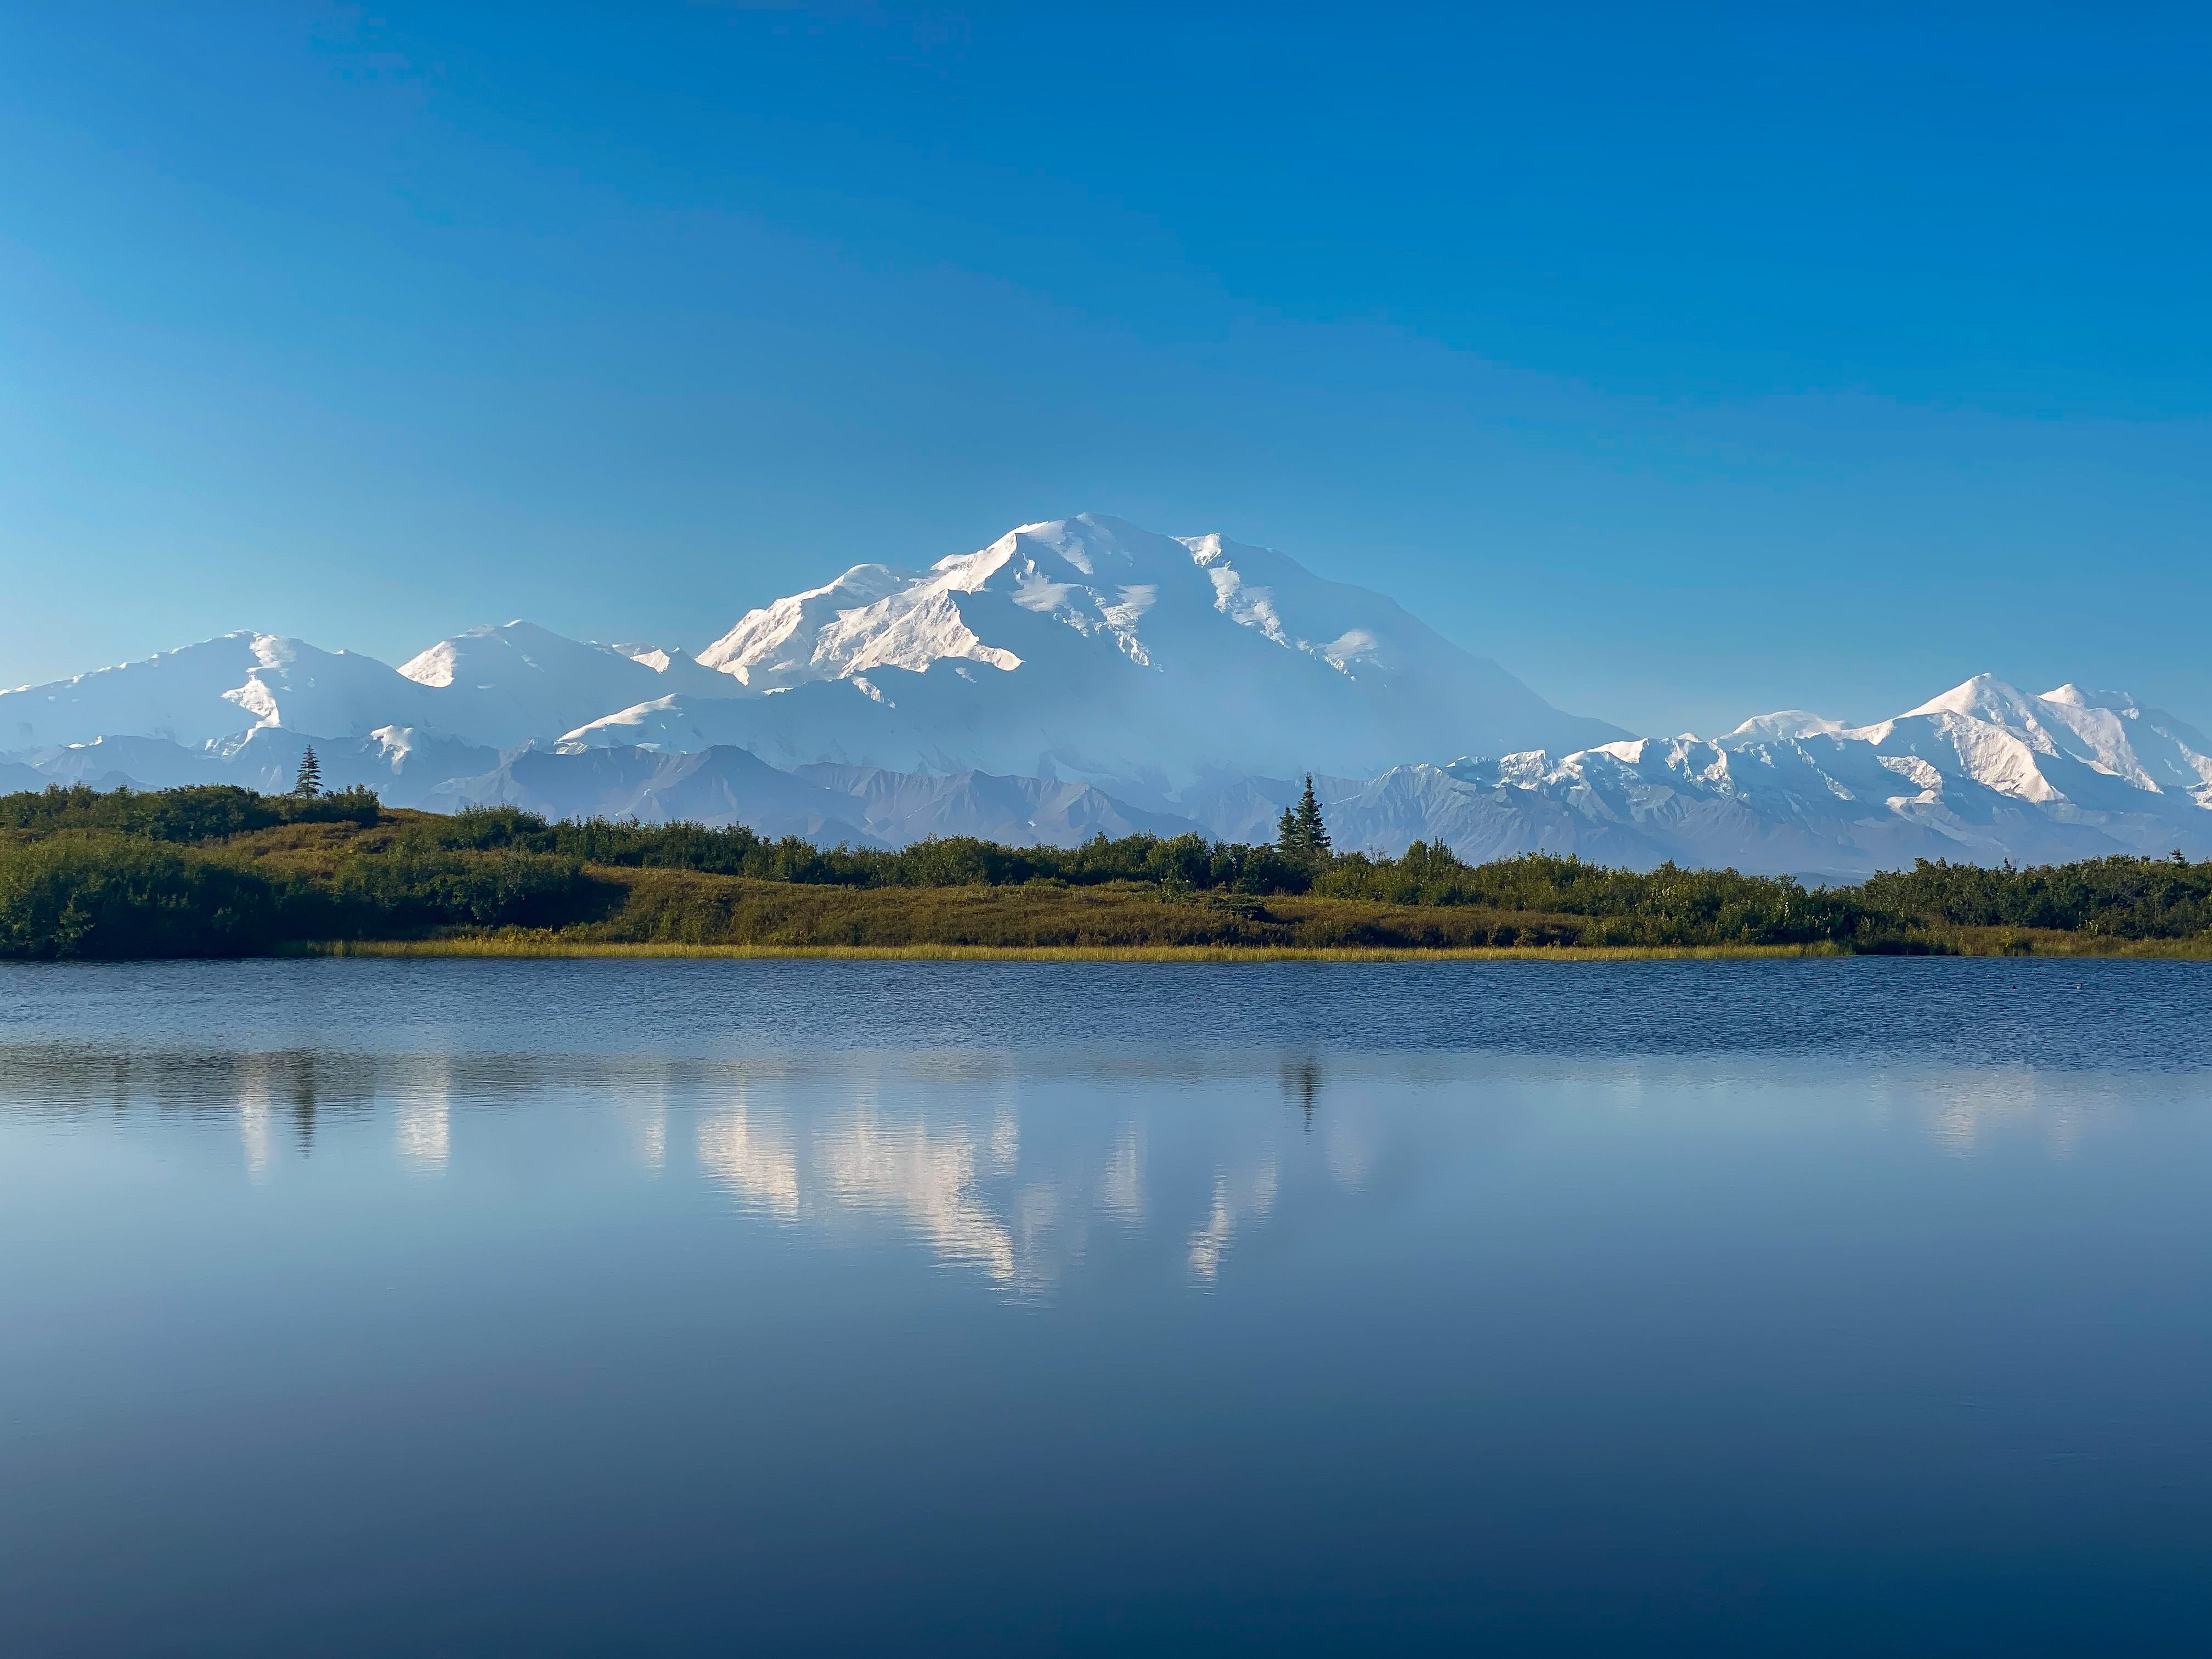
x=526 y=948
x=556 y=949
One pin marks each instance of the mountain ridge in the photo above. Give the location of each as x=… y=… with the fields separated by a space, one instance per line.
x=1086 y=645
x=1085 y=676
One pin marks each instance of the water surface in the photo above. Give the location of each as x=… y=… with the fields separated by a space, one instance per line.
x=1825 y=1307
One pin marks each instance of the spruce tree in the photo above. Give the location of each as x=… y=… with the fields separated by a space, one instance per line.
x=1300 y=836
x=1313 y=834
x=309 y=783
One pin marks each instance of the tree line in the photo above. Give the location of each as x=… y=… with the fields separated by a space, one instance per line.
x=217 y=870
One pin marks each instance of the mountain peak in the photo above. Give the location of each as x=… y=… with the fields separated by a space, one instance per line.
x=2074 y=697
x=1187 y=674
x=1784 y=724
x=1116 y=651
x=1983 y=697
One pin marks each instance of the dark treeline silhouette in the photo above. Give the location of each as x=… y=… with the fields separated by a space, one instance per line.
x=215 y=870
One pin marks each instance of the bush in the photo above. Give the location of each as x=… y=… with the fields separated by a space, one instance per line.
x=2122 y=897
x=130 y=873
x=104 y=894
x=201 y=812
x=112 y=897
x=1663 y=907
x=408 y=890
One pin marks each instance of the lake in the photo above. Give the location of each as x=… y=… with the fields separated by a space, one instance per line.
x=1825 y=1307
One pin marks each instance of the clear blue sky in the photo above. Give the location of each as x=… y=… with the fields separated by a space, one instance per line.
x=1691 y=362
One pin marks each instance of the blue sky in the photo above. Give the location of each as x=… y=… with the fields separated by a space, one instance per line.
x=1691 y=362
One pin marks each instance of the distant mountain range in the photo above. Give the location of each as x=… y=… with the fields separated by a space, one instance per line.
x=1084 y=677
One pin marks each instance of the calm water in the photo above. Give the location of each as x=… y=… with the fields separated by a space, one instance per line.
x=1842 y=1307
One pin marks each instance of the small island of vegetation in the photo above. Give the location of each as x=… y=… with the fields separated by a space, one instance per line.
x=215 y=870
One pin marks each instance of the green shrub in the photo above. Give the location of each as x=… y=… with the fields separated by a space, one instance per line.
x=107 y=896
x=408 y=891
x=2122 y=897
x=83 y=872
x=201 y=812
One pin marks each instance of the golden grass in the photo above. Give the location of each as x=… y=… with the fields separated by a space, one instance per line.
x=2055 y=942
x=527 y=945
x=553 y=945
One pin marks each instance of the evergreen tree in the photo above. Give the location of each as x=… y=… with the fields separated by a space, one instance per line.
x=1300 y=835
x=1313 y=834
x=309 y=783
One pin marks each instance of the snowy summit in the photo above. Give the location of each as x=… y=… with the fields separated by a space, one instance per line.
x=1084 y=676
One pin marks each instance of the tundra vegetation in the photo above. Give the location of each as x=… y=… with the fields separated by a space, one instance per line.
x=218 y=871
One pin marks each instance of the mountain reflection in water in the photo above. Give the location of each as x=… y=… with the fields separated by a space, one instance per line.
x=932 y=1145
x=1824 y=1308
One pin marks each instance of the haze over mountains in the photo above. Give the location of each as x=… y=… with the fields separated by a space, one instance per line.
x=1083 y=675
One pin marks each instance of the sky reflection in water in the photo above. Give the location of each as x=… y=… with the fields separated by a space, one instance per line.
x=984 y=1309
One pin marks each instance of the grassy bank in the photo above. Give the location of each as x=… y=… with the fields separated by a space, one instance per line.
x=221 y=871
x=522 y=944
x=555 y=946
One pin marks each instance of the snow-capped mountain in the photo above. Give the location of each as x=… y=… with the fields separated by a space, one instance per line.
x=1982 y=773
x=1092 y=648
x=495 y=686
x=521 y=682
x=1084 y=676
x=1083 y=647
x=216 y=690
